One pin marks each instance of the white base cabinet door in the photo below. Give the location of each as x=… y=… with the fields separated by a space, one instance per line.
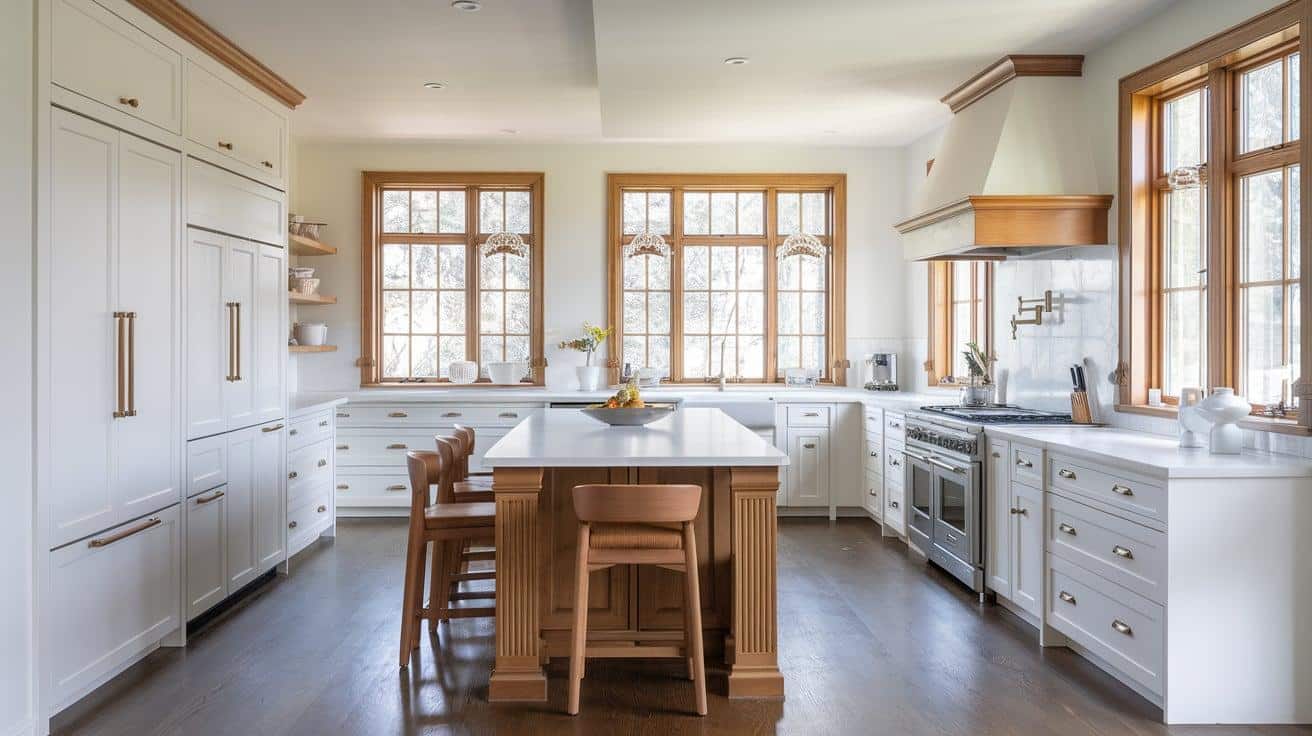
x=206 y=567
x=808 y=466
x=112 y=598
x=240 y=508
x=998 y=517
x=1027 y=548
x=271 y=496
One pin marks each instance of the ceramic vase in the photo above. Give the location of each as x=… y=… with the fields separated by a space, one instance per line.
x=589 y=377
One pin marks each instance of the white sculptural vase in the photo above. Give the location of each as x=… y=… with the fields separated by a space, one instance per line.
x=1223 y=409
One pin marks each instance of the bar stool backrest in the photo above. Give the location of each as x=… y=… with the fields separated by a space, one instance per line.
x=648 y=504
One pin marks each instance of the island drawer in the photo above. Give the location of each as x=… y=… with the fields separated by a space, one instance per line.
x=1027 y=465
x=1112 y=488
x=312 y=511
x=895 y=426
x=1124 y=629
x=309 y=429
x=1126 y=553
x=402 y=415
x=800 y=415
x=382 y=446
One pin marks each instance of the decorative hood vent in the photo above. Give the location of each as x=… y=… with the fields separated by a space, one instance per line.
x=1014 y=173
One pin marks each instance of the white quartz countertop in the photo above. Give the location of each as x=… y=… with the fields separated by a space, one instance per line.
x=692 y=395
x=299 y=405
x=1152 y=454
x=567 y=438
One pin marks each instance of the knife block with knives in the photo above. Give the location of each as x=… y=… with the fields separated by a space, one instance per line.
x=1080 y=412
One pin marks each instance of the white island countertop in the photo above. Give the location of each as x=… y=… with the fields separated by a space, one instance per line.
x=1151 y=454
x=568 y=438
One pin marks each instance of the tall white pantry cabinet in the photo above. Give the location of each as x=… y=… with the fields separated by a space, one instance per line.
x=161 y=352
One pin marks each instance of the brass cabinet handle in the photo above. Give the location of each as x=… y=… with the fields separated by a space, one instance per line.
x=1066 y=528
x=292 y=525
x=1066 y=597
x=267 y=164
x=1122 y=552
x=396 y=446
x=225 y=145
x=996 y=456
x=322 y=463
x=450 y=414
x=1122 y=490
x=324 y=423
x=120 y=393
x=201 y=500
x=106 y=541
x=343 y=414
x=396 y=487
x=1122 y=627
x=237 y=361
x=274 y=428
x=132 y=363
x=398 y=415
x=343 y=487
x=508 y=415
x=131 y=102
x=343 y=447
x=1065 y=473
x=292 y=475
x=322 y=509
x=1021 y=512
x=1023 y=463
x=810 y=413
x=232 y=342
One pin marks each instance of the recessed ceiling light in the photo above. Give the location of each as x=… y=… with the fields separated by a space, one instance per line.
x=469 y=6
x=508 y=131
x=435 y=85
x=736 y=60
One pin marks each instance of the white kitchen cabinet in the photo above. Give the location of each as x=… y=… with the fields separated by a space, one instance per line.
x=221 y=201
x=237 y=131
x=206 y=567
x=111 y=599
x=239 y=544
x=270 y=496
x=103 y=58
x=808 y=466
x=1014 y=541
x=236 y=352
x=998 y=516
x=312 y=475
x=1027 y=548
x=110 y=331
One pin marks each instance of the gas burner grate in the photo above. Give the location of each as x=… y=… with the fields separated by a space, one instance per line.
x=999 y=414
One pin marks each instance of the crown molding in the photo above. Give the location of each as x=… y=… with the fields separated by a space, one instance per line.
x=1008 y=68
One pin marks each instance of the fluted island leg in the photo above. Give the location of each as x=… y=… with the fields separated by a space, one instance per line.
x=517 y=672
x=754 y=668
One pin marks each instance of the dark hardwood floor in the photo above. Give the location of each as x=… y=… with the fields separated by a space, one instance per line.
x=871 y=643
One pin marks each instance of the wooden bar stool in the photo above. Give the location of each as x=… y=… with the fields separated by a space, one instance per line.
x=622 y=525
x=450 y=562
x=461 y=444
x=466 y=483
x=445 y=524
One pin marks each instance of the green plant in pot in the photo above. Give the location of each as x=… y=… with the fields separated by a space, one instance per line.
x=979 y=390
x=588 y=343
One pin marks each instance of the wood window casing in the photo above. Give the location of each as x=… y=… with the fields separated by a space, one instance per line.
x=373 y=239
x=767 y=239
x=943 y=299
x=1216 y=63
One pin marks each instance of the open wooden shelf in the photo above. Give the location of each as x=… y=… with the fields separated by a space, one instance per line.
x=312 y=348
x=295 y=298
x=303 y=246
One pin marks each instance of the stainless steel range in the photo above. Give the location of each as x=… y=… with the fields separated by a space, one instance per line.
x=945 y=479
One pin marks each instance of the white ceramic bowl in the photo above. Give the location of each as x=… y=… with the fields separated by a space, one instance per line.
x=311 y=333
x=506 y=372
x=463 y=371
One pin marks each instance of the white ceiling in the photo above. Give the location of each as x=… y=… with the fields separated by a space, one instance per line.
x=866 y=72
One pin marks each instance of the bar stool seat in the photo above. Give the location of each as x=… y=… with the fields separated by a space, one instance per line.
x=635 y=536
x=460 y=515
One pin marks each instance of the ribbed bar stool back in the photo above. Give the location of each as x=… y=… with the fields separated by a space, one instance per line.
x=630 y=524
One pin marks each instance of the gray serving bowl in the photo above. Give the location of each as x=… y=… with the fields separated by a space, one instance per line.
x=630 y=417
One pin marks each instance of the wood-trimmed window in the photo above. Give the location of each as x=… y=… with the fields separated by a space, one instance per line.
x=429 y=296
x=960 y=309
x=723 y=297
x=1211 y=171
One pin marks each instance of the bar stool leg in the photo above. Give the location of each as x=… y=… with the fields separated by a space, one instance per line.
x=692 y=601
x=578 y=646
x=413 y=596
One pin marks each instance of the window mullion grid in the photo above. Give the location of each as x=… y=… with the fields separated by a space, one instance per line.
x=473 y=290
x=677 y=371
x=771 y=213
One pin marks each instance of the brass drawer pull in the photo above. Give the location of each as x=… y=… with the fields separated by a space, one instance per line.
x=1122 y=627
x=874 y=454
x=1067 y=474
x=324 y=423
x=810 y=413
x=343 y=487
x=106 y=541
x=396 y=446
x=508 y=415
x=274 y=428
x=343 y=447
x=1021 y=512
x=290 y=432
x=292 y=525
x=343 y=415
x=225 y=145
x=451 y=414
x=398 y=415
x=808 y=446
x=1023 y=463
x=396 y=487
x=322 y=462
x=202 y=500
x=1122 y=552
x=1066 y=597
x=322 y=509
x=131 y=102
x=1122 y=490
x=291 y=475
x=267 y=164
x=1066 y=528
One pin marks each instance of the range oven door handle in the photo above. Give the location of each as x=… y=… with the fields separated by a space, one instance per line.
x=950 y=468
x=915 y=455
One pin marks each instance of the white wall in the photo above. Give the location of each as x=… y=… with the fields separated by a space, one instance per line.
x=16 y=523
x=326 y=184
x=1084 y=324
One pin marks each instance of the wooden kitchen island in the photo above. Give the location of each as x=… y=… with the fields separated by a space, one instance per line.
x=535 y=468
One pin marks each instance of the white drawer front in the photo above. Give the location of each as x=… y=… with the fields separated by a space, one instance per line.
x=874 y=454
x=308 y=466
x=133 y=576
x=1134 y=495
x=312 y=512
x=1124 y=629
x=221 y=201
x=308 y=430
x=874 y=494
x=873 y=420
x=895 y=426
x=895 y=507
x=207 y=582
x=103 y=57
x=381 y=446
x=373 y=489
x=800 y=415
x=1126 y=553
x=1027 y=465
x=431 y=415
x=246 y=135
x=207 y=463
x=894 y=463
